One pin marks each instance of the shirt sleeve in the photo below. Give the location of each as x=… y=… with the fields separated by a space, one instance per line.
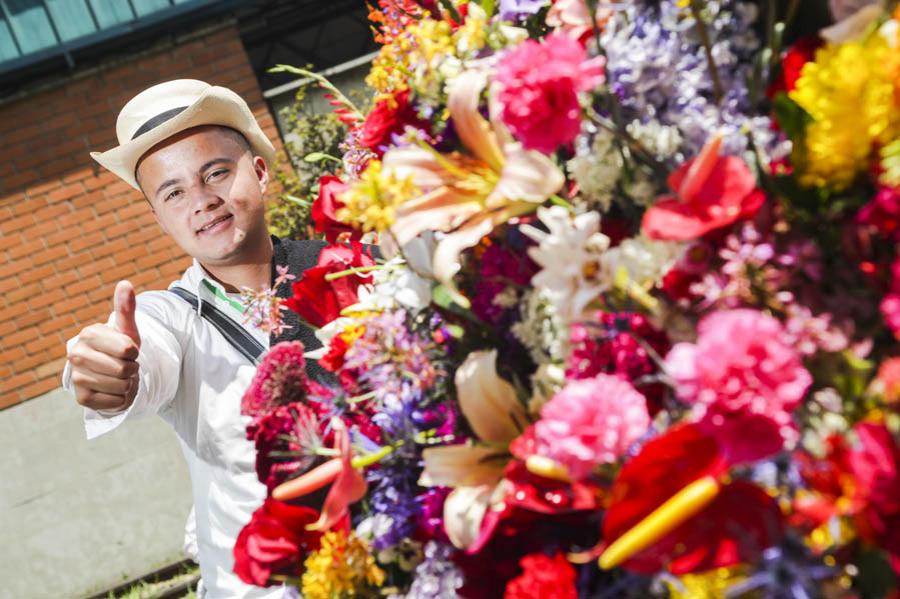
x=159 y=359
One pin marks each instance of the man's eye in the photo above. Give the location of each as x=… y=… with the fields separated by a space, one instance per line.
x=173 y=194
x=217 y=174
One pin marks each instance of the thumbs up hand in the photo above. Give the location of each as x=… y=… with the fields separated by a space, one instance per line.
x=104 y=359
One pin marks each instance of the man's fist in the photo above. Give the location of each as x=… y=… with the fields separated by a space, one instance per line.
x=104 y=359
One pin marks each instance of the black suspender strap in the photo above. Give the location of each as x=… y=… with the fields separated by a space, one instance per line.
x=235 y=334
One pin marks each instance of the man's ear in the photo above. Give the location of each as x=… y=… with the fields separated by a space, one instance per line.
x=262 y=173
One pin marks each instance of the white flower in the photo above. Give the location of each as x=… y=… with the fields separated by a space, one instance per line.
x=645 y=261
x=660 y=140
x=541 y=329
x=570 y=257
x=596 y=168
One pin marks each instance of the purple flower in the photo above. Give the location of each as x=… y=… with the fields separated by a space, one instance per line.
x=512 y=10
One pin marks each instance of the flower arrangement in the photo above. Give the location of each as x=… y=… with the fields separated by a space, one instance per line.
x=633 y=328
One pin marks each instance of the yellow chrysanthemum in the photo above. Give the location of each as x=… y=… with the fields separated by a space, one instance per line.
x=706 y=585
x=342 y=567
x=849 y=90
x=371 y=202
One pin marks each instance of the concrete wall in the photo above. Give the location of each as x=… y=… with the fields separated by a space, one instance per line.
x=79 y=516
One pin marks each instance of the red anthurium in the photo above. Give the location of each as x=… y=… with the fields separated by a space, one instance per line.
x=710 y=191
x=275 y=541
x=326 y=206
x=732 y=525
x=318 y=300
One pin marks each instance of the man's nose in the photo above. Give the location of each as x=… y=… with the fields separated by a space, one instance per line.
x=205 y=199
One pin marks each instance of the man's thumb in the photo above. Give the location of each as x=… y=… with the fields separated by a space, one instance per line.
x=124 y=306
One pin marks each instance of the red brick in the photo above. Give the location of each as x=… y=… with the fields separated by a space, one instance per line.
x=20 y=337
x=22 y=292
x=9 y=312
x=117 y=274
x=31 y=275
x=95 y=266
x=99 y=223
x=39 y=388
x=65 y=193
x=85 y=242
x=51 y=212
x=62 y=236
x=48 y=255
x=42 y=229
x=17 y=224
x=107 y=248
x=8 y=241
x=29 y=248
x=32 y=317
x=44 y=342
x=17 y=381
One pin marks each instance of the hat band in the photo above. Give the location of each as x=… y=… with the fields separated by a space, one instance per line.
x=158 y=120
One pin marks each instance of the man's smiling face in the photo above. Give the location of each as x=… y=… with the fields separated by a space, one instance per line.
x=207 y=192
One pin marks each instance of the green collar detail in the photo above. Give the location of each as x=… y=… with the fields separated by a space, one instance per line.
x=221 y=295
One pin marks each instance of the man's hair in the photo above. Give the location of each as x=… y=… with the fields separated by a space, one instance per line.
x=234 y=134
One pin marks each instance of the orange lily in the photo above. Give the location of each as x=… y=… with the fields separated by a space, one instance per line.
x=466 y=196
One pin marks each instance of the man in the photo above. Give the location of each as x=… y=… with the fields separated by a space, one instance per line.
x=202 y=162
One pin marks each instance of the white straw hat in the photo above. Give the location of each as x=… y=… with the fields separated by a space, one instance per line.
x=165 y=109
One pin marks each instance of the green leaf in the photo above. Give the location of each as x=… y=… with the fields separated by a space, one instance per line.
x=319 y=157
x=448 y=6
x=792 y=119
x=489 y=6
x=448 y=299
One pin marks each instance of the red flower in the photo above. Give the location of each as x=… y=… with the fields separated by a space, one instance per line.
x=325 y=208
x=275 y=541
x=876 y=468
x=283 y=430
x=711 y=191
x=319 y=301
x=333 y=360
x=802 y=52
x=280 y=379
x=389 y=116
x=738 y=524
x=543 y=577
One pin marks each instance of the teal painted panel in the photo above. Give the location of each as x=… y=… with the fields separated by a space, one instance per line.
x=148 y=7
x=31 y=25
x=111 y=12
x=7 y=45
x=72 y=18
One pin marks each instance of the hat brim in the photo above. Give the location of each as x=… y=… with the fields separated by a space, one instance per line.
x=216 y=106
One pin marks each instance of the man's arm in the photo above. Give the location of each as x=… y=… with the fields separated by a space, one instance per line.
x=129 y=365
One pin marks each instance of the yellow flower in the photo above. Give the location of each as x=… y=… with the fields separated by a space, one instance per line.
x=705 y=585
x=849 y=90
x=371 y=202
x=411 y=57
x=342 y=567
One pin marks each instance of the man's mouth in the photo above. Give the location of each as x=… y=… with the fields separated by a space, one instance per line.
x=215 y=224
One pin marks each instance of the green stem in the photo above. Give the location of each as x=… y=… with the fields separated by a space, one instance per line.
x=352 y=271
x=718 y=92
x=555 y=199
x=324 y=82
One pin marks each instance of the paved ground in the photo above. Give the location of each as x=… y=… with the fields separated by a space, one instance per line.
x=79 y=516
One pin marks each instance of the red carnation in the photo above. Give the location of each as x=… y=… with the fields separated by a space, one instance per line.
x=318 y=300
x=281 y=436
x=802 y=52
x=389 y=116
x=275 y=541
x=543 y=577
x=325 y=208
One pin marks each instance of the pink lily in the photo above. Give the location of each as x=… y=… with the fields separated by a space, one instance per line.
x=466 y=196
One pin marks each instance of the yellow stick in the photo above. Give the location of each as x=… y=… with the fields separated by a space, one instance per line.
x=676 y=510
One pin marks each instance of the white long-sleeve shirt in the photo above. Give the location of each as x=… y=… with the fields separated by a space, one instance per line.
x=194 y=380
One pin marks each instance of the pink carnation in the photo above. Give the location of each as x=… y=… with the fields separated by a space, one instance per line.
x=591 y=421
x=538 y=89
x=742 y=371
x=280 y=379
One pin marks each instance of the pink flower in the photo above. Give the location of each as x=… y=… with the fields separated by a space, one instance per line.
x=742 y=370
x=572 y=18
x=280 y=379
x=890 y=303
x=590 y=422
x=538 y=90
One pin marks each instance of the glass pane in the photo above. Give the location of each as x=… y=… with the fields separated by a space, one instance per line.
x=71 y=17
x=147 y=7
x=31 y=24
x=7 y=45
x=111 y=12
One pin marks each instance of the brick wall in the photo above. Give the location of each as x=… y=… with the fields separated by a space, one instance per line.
x=70 y=230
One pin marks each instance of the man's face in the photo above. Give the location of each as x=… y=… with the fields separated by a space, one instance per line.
x=207 y=191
